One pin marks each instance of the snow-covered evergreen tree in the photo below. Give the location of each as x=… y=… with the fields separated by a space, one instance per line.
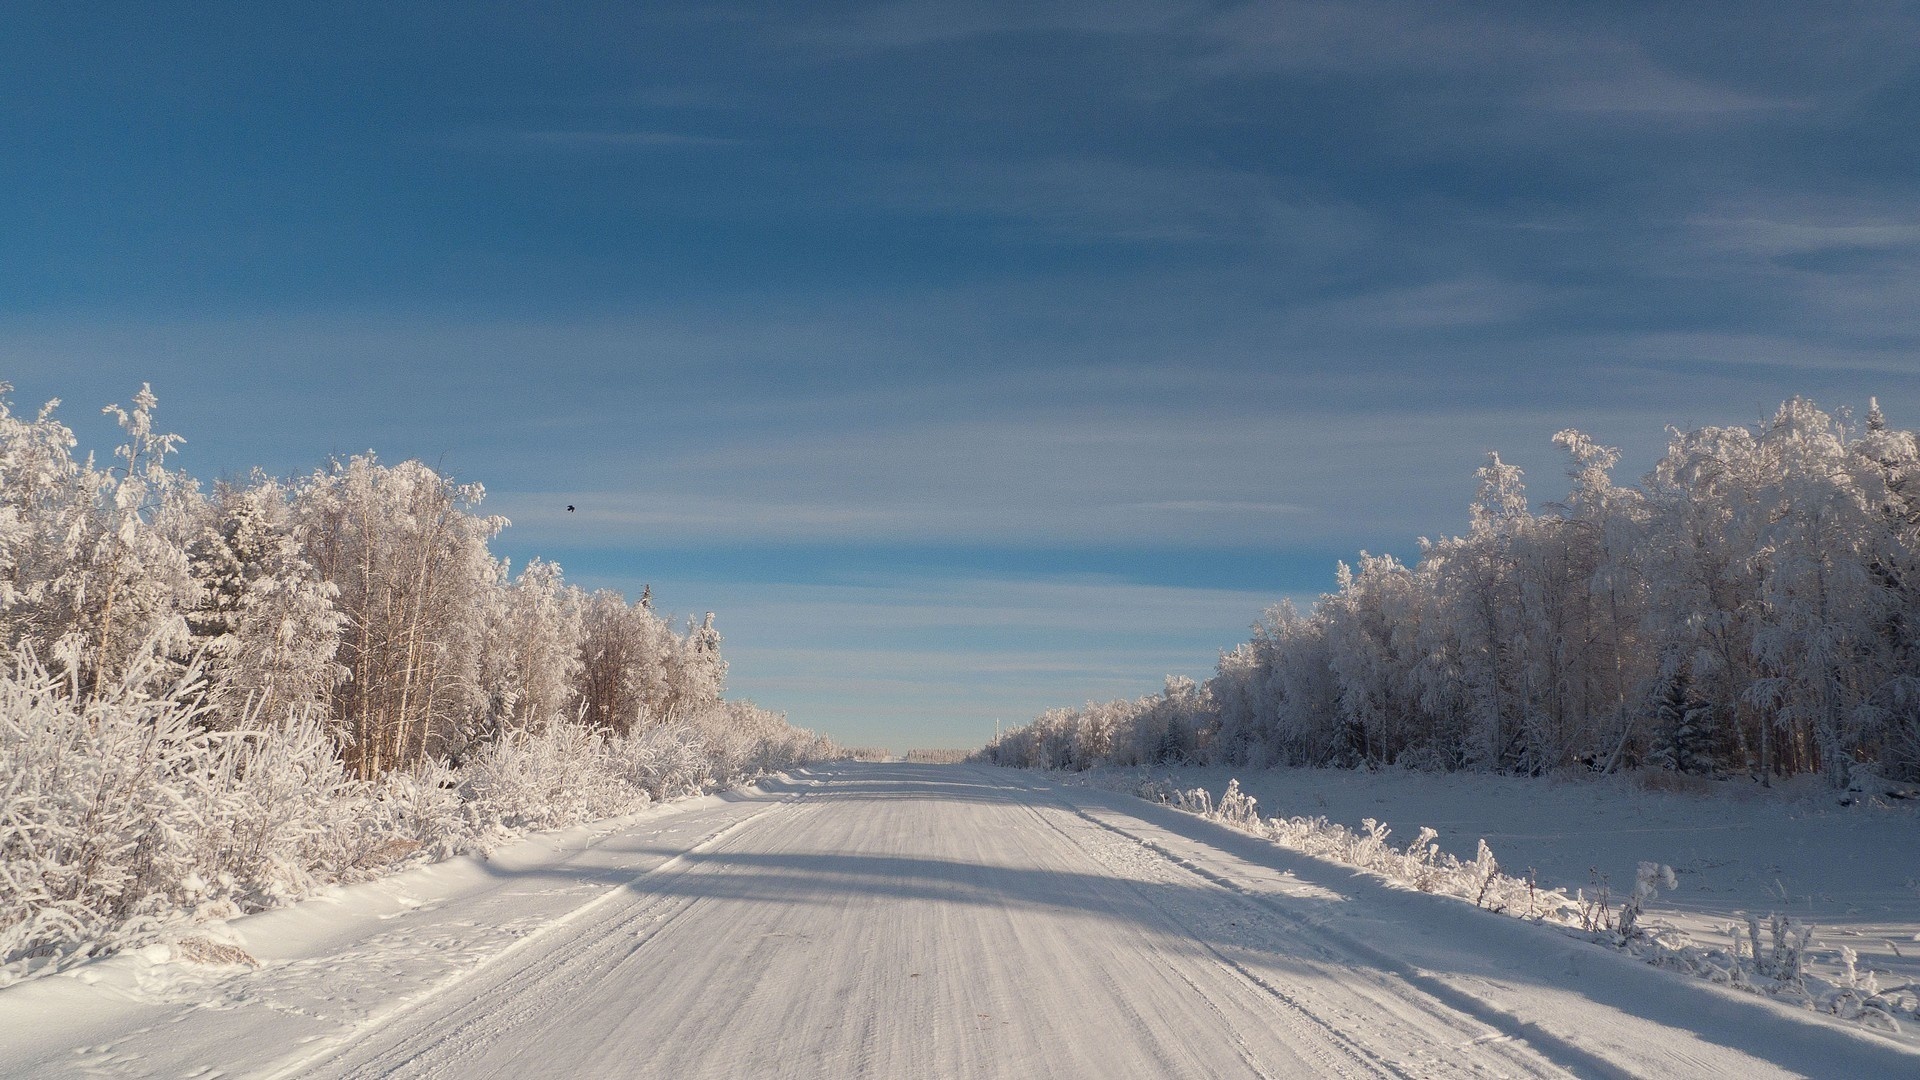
x=263 y=617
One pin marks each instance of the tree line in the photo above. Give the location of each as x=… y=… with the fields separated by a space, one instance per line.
x=363 y=592
x=1750 y=607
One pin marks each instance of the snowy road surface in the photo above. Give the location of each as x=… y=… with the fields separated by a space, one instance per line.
x=905 y=921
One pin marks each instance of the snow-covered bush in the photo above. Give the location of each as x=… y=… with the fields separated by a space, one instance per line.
x=539 y=780
x=1648 y=881
x=407 y=812
x=122 y=813
x=667 y=761
x=1420 y=865
x=125 y=816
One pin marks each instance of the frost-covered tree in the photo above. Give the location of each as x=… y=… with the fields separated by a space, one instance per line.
x=1476 y=670
x=49 y=519
x=1816 y=601
x=412 y=571
x=263 y=617
x=131 y=585
x=696 y=673
x=625 y=654
x=1753 y=605
x=530 y=658
x=1886 y=466
x=1372 y=628
x=1607 y=671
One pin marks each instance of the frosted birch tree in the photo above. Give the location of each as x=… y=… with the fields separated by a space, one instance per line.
x=412 y=569
x=530 y=659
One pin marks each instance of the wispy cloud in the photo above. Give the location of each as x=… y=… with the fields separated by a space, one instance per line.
x=907 y=24
x=1801 y=229
x=1468 y=301
x=1111 y=200
x=566 y=139
x=1535 y=59
x=1629 y=84
x=1224 y=506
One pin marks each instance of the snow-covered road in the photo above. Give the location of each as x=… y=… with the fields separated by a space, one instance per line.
x=906 y=921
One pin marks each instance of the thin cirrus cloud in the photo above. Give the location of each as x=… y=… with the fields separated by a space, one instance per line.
x=1779 y=365
x=574 y=139
x=1643 y=90
x=1207 y=479
x=1562 y=57
x=1225 y=506
x=1778 y=229
x=1097 y=199
x=912 y=24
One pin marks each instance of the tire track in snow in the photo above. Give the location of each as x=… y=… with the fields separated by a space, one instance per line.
x=1510 y=1031
x=1301 y=1010
x=1314 y=1032
x=317 y=1055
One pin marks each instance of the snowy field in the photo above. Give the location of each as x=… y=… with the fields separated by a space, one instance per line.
x=895 y=920
x=1852 y=872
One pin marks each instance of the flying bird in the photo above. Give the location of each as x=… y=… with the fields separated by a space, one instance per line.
x=569 y=508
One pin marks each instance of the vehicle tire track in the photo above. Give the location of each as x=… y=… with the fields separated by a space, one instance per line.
x=1520 y=1040
x=342 y=1051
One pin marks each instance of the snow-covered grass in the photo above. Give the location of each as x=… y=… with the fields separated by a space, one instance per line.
x=125 y=819
x=1784 y=891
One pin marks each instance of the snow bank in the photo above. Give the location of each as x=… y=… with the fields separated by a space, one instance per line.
x=125 y=821
x=1736 y=941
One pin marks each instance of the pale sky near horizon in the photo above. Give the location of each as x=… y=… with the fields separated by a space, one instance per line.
x=967 y=358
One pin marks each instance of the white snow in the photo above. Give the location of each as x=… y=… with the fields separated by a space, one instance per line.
x=919 y=920
x=1852 y=872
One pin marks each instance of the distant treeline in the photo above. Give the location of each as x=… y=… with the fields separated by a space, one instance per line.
x=936 y=755
x=1751 y=607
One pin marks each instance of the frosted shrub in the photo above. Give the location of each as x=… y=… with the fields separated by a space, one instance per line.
x=125 y=819
x=724 y=743
x=1237 y=808
x=1859 y=998
x=1786 y=960
x=558 y=776
x=744 y=740
x=406 y=811
x=1648 y=881
x=75 y=846
x=1484 y=874
x=1421 y=865
x=666 y=762
x=122 y=816
x=274 y=799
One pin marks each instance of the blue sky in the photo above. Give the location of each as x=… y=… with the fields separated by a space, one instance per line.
x=968 y=358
